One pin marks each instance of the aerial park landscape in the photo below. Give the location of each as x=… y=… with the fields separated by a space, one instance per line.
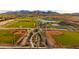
x=39 y=29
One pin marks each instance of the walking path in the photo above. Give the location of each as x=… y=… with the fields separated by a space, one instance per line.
x=6 y=22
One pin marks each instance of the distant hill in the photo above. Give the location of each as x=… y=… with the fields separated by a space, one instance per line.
x=25 y=12
x=33 y=12
x=71 y=14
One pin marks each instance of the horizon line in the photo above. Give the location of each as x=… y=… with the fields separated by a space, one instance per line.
x=58 y=11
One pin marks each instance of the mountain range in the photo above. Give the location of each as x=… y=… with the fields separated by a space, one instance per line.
x=37 y=12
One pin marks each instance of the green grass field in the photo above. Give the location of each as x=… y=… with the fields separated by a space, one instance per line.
x=20 y=23
x=7 y=37
x=68 y=39
x=28 y=19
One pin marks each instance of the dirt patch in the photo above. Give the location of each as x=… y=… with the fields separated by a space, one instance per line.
x=55 y=32
x=6 y=44
x=51 y=39
x=20 y=32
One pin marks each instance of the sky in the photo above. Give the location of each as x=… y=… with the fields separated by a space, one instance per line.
x=62 y=6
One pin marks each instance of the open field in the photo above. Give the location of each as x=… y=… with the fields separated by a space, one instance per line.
x=9 y=37
x=64 y=39
x=19 y=23
x=68 y=39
